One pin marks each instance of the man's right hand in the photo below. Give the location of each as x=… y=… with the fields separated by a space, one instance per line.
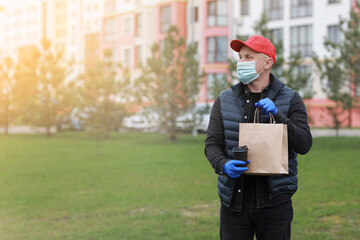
x=234 y=168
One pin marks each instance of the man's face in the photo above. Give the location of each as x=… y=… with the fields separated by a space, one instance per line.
x=246 y=54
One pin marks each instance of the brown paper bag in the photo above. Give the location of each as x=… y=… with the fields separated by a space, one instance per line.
x=268 y=146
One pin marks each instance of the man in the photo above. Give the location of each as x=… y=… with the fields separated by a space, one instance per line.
x=255 y=205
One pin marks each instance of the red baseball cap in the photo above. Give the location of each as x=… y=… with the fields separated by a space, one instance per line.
x=256 y=43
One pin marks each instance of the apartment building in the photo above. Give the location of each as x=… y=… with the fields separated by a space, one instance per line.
x=87 y=29
x=2 y=29
x=131 y=27
x=23 y=25
x=64 y=22
x=215 y=38
x=302 y=25
x=83 y=29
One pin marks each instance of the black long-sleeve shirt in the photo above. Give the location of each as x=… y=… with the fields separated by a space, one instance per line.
x=299 y=135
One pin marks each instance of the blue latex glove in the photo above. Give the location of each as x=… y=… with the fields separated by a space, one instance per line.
x=266 y=106
x=233 y=168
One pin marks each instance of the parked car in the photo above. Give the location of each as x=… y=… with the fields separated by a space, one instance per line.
x=197 y=118
x=145 y=120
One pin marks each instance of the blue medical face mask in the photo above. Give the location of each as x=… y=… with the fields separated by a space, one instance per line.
x=246 y=72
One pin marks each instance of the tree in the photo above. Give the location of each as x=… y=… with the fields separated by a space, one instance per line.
x=340 y=70
x=219 y=84
x=295 y=78
x=102 y=96
x=288 y=71
x=41 y=86
x=170 y=79
x=333 y=82
x=7 y=71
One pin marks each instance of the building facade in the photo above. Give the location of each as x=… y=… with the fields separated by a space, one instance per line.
x=130 y=28
x=24 y=27
x=125 y=30
x=301 y=25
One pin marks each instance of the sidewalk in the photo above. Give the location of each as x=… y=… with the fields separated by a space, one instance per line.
x=332 y=132
x=27 y=129
x=315 y=132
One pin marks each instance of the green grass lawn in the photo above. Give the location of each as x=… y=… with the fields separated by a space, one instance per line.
x=142 y=187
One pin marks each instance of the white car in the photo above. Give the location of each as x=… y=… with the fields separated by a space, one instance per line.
x=145 y=120
x=197 y=117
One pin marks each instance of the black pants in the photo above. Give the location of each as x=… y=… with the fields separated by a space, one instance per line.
x=273 y=223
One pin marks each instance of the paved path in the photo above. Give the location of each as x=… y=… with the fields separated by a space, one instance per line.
x=26 y=129
x=315 y=132
x=332 y=132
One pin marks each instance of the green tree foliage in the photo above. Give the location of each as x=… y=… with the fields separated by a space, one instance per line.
x=288 y=70
x=170 y=79
x=340 y=69
x=7 y=71
x=41 y=87
x=262 y=29
x=219 y=85
x=104 y=88
x=295 y=78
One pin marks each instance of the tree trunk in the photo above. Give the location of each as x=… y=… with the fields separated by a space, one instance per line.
x=48 y=133
x=6 y=116
x=172 y=137
x=173 y=134
x=97 y=147
x=350 y=117
x=194 y=132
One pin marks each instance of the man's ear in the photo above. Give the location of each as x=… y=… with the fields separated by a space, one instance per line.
x=269 y=63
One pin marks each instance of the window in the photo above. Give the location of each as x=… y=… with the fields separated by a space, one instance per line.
x=301 y=8
x=127 y=25
x=162 y=45
x=110 y=30
x=301 y=40
x=243 y=38
x=88 y=25
x=110 y=6
x=138 y=57
x=139 y=25
x=194 y=14
x=276 y=35
x=274 y=9
x=165 y=18
x=217 y=13
x=127 y=57
x=333 y=33
x=304 y=72
x=244 y=6
x=110 y=54
x=216 y=83
x=217 y=49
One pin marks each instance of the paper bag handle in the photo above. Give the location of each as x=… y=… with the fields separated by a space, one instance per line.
x=257 y=117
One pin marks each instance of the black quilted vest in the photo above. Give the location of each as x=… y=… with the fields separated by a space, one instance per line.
x=232 y=111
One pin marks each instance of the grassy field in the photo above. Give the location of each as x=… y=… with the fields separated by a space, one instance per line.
x=142 y=187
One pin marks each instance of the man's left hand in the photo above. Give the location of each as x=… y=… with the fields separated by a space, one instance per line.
x=266 y=106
